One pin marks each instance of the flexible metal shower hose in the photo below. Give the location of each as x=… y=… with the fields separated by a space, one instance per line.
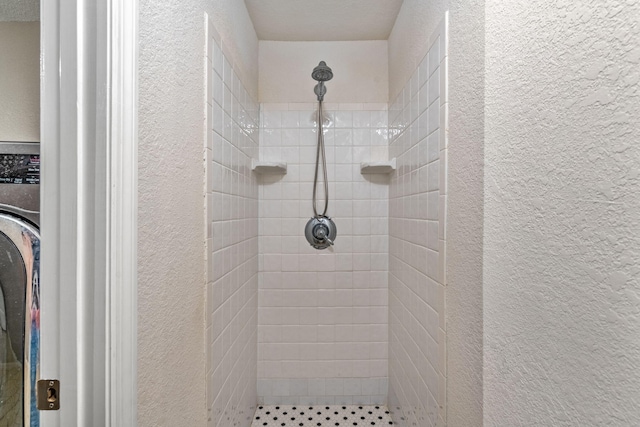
x=320 y=153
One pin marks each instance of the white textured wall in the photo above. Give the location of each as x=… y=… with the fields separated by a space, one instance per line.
x=20 y=10
x=464 y=213
x=359 y=71
x=562 y=214
x=171 y=323
x=20 y=81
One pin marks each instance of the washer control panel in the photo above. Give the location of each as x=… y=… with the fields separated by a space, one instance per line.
x=19 y=168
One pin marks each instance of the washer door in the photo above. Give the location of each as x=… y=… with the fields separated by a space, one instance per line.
x=19 y=321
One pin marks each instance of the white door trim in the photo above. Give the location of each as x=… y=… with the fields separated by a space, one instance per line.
x=89 y=209
x=123 y=214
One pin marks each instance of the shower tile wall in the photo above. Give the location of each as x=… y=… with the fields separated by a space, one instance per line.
x=323 y=315
x=417 y=243
x=232 y=243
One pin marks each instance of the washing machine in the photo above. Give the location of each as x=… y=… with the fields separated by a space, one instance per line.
x=19 y=282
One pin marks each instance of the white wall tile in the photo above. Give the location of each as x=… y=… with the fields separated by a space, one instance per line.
x=321 y=296
x=232 y=247
x=326 y=314
x=416 y=246
x=434 y=86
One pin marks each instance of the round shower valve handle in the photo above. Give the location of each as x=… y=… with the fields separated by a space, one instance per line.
x=320 y=232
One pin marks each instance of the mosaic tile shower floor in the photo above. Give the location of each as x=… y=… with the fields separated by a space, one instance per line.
x=321 y=415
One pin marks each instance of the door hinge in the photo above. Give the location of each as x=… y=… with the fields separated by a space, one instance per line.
x=48 y=395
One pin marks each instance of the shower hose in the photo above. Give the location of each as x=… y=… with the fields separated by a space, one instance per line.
x=320 y=154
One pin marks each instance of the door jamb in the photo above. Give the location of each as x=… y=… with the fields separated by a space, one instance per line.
x=89 y=209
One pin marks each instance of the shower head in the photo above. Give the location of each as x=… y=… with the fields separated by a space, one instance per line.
x=322 y=73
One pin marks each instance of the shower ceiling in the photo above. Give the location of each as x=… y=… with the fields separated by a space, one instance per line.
x=318 y=20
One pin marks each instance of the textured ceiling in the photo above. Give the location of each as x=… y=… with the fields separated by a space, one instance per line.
x=19 y=10
x=317 y=20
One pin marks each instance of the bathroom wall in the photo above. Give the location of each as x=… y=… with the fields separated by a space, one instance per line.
x=417 y=240
x=359 y=71
x=172 y=230
x=232 y=242
x=465 y=212
x=562 y=213
x=232 y=22
x=19 y=81
x=408 y=41
x=20 y=10
x=323 y=314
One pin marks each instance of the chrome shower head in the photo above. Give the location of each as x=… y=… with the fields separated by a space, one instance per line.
x=322 y=73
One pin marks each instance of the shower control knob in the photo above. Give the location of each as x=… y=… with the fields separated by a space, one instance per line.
x=320 y=232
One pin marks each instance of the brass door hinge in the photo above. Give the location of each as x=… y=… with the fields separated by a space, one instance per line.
x=48 y=395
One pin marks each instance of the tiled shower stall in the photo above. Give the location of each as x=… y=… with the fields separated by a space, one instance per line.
x=361 y=323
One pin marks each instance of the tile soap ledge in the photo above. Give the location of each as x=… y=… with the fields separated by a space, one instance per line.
x=268 y=168
x=378 y=167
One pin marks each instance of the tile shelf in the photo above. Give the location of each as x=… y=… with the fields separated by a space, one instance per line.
x=269 y=168
x=378 y=167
